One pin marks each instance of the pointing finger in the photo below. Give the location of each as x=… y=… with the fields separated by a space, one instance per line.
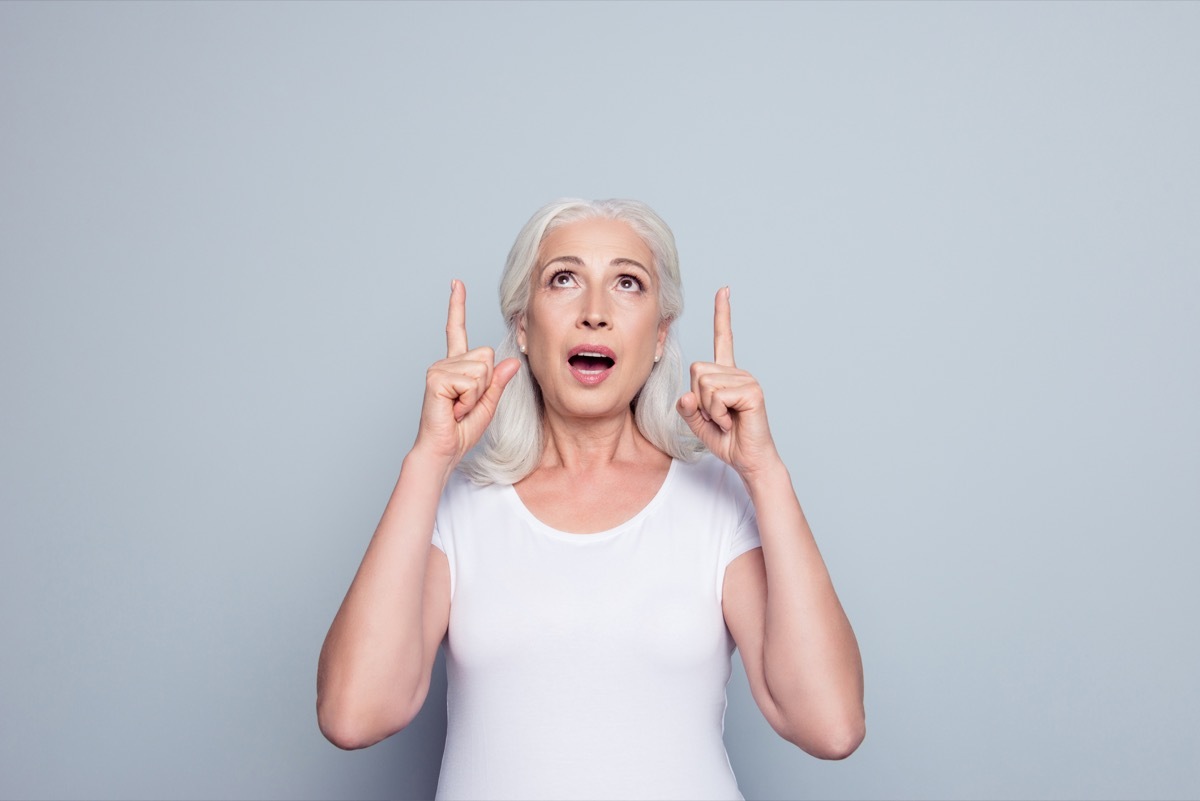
x=722 y=330
x=456 y=320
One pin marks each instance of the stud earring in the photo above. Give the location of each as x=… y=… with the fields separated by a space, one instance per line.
x=656 y=358
x=522 y=349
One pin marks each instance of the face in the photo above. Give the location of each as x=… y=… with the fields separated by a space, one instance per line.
x=592 y=329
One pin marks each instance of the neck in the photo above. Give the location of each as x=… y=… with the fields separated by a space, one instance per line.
x=579 y=446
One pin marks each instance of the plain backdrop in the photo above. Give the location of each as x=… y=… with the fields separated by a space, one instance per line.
x=964 y=253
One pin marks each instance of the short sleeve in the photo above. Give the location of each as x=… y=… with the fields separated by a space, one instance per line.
x=437 y=538
x=745 y=536
x=442 y=537
x=741 y=534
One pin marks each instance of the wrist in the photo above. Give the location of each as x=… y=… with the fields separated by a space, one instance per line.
x=428 y=462
x=772 y=475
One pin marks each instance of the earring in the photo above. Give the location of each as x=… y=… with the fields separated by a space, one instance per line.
x=522 y=349
x=656 y=358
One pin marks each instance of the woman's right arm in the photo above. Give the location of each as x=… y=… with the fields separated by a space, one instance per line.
x=377 y=660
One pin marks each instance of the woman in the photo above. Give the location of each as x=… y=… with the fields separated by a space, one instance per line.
x=591 y=567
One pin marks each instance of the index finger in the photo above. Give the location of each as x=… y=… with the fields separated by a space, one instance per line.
x=722 y=329
x=456 y=320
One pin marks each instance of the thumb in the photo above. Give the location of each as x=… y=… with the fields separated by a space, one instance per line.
x=689 y=409
x=502 y=373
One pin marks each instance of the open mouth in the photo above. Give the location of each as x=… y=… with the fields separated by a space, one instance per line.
x=591 y=364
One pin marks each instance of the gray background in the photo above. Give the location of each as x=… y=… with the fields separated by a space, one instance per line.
x=963 y=246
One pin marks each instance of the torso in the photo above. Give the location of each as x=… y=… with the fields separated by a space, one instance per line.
x=591 y=666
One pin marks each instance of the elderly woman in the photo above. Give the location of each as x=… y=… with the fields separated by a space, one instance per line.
x=591 y=565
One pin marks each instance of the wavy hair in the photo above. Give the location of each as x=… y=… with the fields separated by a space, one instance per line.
x=511 y=447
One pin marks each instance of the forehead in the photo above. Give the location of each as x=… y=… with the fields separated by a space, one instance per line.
x=598 y=240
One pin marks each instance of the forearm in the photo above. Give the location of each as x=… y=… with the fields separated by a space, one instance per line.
x=811 y=660
x=371 y=677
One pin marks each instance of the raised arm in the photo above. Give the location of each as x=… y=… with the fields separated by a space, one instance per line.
x=800 y=654
x=376 y=663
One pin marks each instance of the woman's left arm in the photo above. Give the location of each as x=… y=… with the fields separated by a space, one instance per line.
x=798 y=648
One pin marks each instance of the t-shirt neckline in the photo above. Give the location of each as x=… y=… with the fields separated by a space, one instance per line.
x=599 y=536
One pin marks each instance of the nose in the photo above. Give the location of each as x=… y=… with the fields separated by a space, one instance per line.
x=595 y=313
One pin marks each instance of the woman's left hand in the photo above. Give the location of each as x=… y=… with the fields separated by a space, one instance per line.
x=725 y=408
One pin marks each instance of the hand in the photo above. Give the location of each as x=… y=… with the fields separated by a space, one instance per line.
x=725 y=408
x=461 y=390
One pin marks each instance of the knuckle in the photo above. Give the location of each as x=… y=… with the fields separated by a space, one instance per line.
x=478 y=356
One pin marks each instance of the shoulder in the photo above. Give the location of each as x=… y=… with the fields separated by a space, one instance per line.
x=708 y=482
x=705 y=467
x=462 y=499
x=710 y=474
x=460 y=486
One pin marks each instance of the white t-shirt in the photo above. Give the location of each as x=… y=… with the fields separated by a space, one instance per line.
x=591 y=665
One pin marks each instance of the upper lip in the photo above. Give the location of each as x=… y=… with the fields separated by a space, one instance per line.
x=592 y=350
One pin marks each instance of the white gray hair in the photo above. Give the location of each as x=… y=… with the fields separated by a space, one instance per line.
x=512 y=445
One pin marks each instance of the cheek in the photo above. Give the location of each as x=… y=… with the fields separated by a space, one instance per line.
x=541 y=327
x=650 y=322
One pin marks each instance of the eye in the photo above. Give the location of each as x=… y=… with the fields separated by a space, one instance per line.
x=562 y=278
x=630 y=283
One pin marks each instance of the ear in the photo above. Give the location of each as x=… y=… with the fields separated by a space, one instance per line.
x=664 y=327
x=521 y=331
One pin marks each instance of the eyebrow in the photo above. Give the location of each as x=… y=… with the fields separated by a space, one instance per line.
x=619 y=262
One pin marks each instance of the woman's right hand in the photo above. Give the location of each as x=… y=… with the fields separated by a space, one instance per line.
x=375 y=666
x=461 y=390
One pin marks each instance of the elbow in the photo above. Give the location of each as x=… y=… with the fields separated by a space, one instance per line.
x=353 y=713
x=828 y=739
x=834 y=742
x=343 y=734
x=840 y=744
x=344 y=737
x=351 y=731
